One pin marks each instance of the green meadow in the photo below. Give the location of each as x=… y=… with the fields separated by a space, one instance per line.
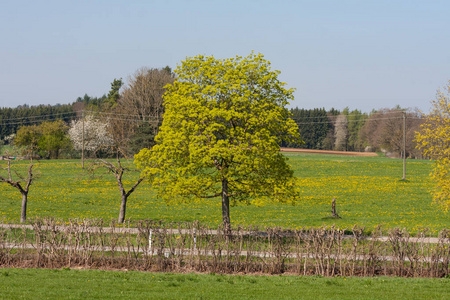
x=368 y=192
x=96 y=284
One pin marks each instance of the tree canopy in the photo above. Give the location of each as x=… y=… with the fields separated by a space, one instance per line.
x=224 y=121
x=48 y=138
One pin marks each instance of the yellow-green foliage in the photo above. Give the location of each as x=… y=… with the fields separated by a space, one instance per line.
x=434 y=140
x=223 y=121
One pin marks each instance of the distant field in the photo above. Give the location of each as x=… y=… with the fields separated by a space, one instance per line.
x=347 y=153
x=95 y=284
x=367 y=189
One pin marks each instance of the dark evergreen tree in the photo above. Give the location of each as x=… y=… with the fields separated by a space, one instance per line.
x=313 y=125
x=144 y=137
x=113 y=95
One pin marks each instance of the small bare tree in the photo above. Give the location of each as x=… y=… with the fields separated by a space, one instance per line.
x=118 y=170
x=22 y=184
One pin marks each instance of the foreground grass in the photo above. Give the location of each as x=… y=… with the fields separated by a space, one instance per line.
x=82 y=284
x=367 y=190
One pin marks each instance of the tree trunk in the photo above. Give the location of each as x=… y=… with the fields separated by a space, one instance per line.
x=226 y=208
x=123 y=208
x=23 y=214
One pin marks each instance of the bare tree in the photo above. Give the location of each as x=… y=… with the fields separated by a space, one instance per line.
x=139 y=110
x=371 y=131
x=384 y=130
x=118 y=170
x=142 y=97
x=22 y=184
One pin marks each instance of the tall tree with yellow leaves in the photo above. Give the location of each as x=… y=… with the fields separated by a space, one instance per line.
x=434 y=141
x=224 y=121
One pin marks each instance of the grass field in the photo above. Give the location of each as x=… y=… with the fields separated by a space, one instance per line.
x=368 y=192
x=95 y=284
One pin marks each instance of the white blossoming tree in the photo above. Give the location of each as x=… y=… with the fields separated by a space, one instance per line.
x=96 y=134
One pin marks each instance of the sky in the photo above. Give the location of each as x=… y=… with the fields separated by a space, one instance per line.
x=359 y=54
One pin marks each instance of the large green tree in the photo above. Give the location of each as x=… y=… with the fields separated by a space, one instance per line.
x=53 y=138
x=224 y=121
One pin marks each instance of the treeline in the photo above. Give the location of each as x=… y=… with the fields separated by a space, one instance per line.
x=11 y=119
x=133 y=112
x=43 y=129
x=353 y=130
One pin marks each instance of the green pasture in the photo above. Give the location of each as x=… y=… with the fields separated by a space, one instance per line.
x=368 y=193
x=95 y=284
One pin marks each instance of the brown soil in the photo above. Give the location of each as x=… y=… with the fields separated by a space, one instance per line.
x=296 y=150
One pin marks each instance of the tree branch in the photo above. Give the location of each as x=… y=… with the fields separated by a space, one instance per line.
x=134 y=186
x=30 y=177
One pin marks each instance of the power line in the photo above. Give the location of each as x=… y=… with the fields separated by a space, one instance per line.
x=138 y=118
x=350 y=121
x=114 y=114
x=380 y=112
x=38 y=116
x=24 y=122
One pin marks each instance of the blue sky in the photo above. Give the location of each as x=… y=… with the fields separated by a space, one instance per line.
x=358 y=54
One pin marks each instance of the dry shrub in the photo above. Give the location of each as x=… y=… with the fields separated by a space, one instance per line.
x=157 y=246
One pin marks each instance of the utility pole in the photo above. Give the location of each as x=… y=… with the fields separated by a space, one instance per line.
x=404 y=145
